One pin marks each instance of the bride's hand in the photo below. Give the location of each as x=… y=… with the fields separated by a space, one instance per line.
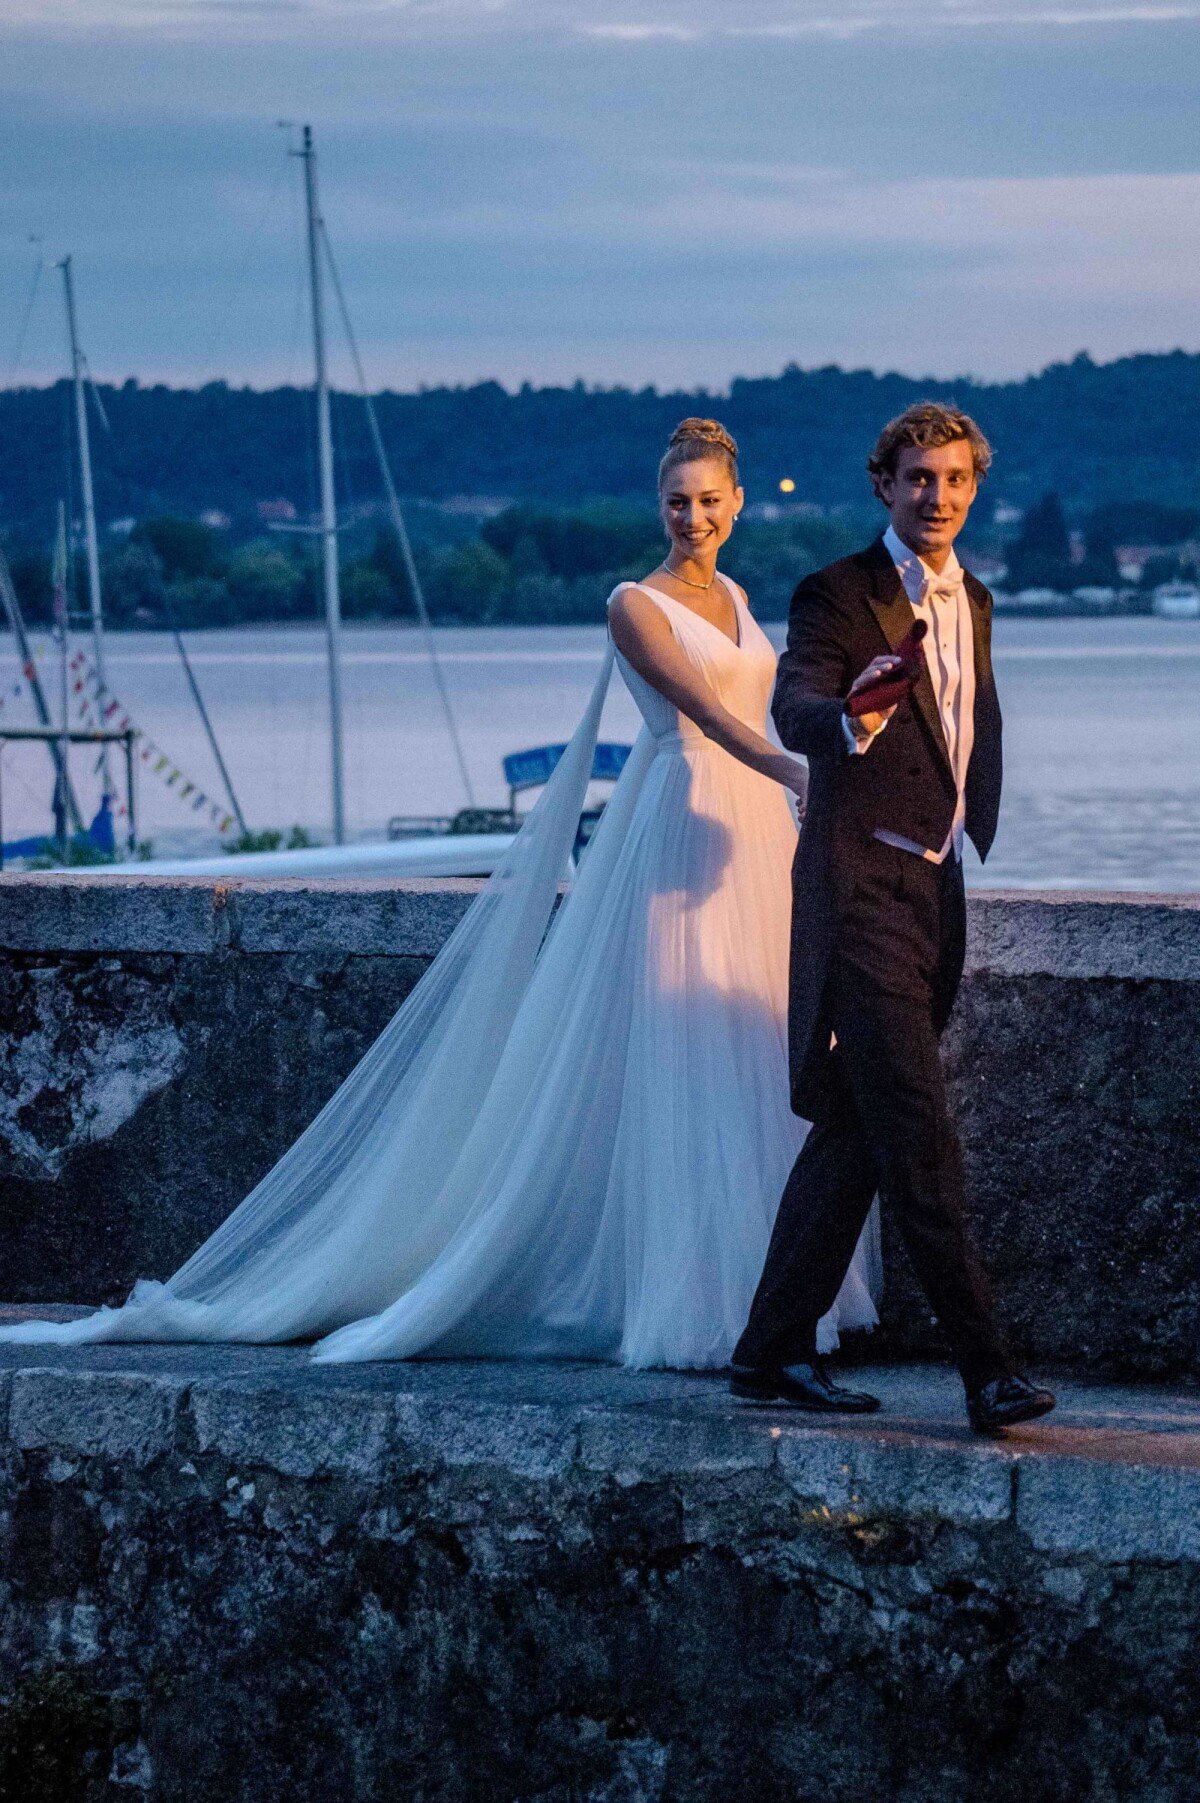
x=795 y=778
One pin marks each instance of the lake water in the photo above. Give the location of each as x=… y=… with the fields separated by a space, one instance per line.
x=1102 y=734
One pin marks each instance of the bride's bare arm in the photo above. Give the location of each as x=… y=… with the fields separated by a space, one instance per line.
x=642 y=634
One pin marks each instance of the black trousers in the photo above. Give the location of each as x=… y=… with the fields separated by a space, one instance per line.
x=884 y=1124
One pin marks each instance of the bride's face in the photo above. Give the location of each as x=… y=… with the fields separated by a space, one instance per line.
x=698 y=504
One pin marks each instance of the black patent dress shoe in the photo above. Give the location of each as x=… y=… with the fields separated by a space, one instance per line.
x=1006 y=1401
x=798 y=1387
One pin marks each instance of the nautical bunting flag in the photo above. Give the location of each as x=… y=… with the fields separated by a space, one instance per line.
x=88 y=687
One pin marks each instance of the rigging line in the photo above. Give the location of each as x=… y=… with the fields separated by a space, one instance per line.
x=32 y=296
x=73 y=596
x=342 y=456
x=90 y=379
x=401 y=530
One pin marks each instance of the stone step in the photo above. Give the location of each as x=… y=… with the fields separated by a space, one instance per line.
x=1115 y=1471
x=229 y=1572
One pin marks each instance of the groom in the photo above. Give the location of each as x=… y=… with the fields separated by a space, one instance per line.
x=879 y=926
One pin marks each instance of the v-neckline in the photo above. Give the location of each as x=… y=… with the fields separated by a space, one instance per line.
x=711 y=624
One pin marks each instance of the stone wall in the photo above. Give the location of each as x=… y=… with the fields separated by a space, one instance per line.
x=166 y=1039
x=229 y=1576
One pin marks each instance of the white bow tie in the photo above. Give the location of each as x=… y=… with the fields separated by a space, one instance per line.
x=939 y=588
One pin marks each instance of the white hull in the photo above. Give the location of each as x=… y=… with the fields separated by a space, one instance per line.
x=450 y=854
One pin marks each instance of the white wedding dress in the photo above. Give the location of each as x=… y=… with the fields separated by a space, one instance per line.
x=565 y=1144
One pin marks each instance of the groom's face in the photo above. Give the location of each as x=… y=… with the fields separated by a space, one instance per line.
x=930 y=495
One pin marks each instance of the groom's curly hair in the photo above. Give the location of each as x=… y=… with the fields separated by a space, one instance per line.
x=927 y=424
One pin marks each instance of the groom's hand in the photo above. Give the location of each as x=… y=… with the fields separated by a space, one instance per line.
x=867 y=725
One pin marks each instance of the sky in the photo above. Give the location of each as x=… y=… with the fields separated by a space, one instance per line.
x=673 y=192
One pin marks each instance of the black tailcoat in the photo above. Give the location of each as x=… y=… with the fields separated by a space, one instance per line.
x=841 y=617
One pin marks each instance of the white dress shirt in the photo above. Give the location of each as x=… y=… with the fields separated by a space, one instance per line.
x=941 y=600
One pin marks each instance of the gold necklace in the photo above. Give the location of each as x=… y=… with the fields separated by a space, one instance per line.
x=704 y=587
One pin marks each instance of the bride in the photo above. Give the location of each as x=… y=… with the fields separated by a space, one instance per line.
x=567 y=1143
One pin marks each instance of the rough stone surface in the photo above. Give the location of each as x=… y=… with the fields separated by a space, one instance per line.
x=1023 y=933
x=77 y=912
x=143 y=1094
x=1076 y=1099
x=449 y=1582
x=299 y=1434
x=126 y=1416
x=166 y=1039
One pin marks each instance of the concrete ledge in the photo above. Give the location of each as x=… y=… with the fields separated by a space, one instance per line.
x=65 y=912
x=131 y=1417
x=894 y=1473
x=1012 y=933
x=1068 y=934
x=228 y=1572
x=295 y=1433
x=1078 y=1482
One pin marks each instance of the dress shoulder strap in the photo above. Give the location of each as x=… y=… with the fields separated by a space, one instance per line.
x=643 y=586
x=656 y=594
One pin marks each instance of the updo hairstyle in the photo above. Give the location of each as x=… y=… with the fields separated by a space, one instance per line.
x=695 y=441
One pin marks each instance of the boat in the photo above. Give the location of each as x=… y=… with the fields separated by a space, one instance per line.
x=468 y=844
x=1040 y=600
x=438 y=855
x=1177 y=601
x=72 y=839
x=98 y=840
x=523 y=770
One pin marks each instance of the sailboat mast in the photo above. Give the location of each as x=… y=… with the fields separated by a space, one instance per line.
x=329 y=550
x=89 y=502
x=62 y=626
x=11 y=607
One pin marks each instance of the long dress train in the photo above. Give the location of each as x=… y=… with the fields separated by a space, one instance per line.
x=562 y=1147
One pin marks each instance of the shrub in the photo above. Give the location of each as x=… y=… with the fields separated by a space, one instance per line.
x=264 y=582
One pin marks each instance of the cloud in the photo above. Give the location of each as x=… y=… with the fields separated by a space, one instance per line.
x=518 y=203
x=896 y=20
x=617 y=33
x=919 y=19
x=611 y=21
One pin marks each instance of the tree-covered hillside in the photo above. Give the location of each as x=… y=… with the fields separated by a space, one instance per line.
x=1094 y=433
x=528 y=507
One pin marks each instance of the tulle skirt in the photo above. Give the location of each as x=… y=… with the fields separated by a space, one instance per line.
x=632 y=1196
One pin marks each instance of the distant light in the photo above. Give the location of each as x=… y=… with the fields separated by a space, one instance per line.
x=787 y=486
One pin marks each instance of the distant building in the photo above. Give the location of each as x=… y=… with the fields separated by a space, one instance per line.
x=276 y=512
x=1132 y=559
x=483 y=507
x=218 y=521
x=122 y=528
x=790 y=509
